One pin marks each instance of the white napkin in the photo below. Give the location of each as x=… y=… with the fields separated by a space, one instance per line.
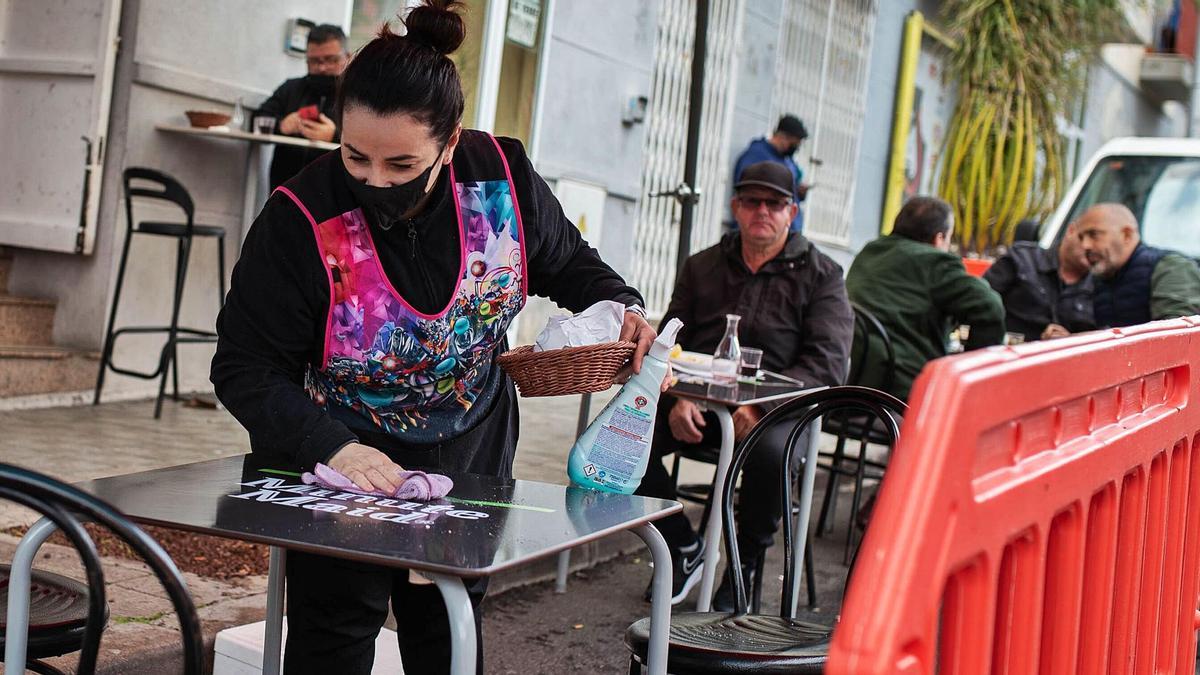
x=595 y=325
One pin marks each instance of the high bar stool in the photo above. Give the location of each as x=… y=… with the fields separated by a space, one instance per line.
x=159 y=186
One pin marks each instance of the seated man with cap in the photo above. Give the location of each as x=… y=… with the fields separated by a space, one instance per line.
x=794 y=308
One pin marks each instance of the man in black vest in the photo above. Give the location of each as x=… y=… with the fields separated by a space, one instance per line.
x=1135 y=283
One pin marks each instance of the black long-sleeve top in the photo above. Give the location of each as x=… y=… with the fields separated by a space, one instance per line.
x=291 y=96
x=272 y=325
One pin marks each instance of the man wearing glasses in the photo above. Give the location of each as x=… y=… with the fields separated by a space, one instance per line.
x=794 y=308
x=303 y=106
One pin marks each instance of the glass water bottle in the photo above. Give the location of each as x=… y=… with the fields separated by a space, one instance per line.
x=728 y=357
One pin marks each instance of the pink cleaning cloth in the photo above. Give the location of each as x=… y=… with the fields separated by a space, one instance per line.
x=415 y=485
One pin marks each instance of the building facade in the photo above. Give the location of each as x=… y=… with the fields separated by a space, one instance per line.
x=599 y=92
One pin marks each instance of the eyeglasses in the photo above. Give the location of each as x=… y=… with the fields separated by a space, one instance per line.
x=773 y=205
x=325 y=60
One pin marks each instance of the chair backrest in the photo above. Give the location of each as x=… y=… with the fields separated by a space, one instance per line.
x=866 y=327
x=797 y=413
x=154 y=184
x=1056 y=527
x=59 y=501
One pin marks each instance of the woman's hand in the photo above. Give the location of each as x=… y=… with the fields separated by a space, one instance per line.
x=369 y=468
x=636 y=330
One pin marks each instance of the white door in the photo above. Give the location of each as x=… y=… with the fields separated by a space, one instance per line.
x=56 y=70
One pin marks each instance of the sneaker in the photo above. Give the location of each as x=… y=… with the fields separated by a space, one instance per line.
x=724 y=601
x=687 y=566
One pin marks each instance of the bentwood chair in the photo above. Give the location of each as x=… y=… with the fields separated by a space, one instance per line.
x=63 y=615
x=150 y=184
x=870 y=338
x=710 y=643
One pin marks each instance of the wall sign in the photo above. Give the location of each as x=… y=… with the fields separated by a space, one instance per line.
x=523 y=18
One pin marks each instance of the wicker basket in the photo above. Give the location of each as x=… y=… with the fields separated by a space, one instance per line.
x=571 y=370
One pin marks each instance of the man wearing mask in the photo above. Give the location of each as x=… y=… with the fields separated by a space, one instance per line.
x=304 y=106
x=779 y=148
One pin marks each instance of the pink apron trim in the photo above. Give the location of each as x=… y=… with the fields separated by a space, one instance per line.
x=328 y=273
x=520 y=224
x=462 y=260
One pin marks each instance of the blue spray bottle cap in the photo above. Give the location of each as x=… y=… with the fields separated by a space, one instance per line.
x=661 y=349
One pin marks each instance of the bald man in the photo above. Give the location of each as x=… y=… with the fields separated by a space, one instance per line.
x=1135 y=283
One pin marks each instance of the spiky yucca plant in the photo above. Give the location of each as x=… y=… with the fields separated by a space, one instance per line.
x=1019 y=65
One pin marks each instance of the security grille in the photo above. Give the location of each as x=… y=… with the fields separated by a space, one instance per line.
x=821 y=76
x=656 y=230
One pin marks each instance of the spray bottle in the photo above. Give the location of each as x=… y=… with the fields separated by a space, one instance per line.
x=612 y=453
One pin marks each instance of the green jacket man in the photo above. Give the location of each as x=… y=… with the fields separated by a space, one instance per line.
x=920 y=292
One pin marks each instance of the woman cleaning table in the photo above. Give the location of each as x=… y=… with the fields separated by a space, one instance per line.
x=373 y=293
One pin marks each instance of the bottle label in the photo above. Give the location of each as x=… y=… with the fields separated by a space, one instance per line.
x=620 y=444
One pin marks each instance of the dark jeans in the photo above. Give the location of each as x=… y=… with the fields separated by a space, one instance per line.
x=336 y=607
x=760 y=499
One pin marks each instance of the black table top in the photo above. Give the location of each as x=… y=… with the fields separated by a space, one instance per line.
x=771 y=387
x=484 y=526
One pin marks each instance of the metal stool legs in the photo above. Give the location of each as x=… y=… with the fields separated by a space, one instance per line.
x=168 y=362
x=106 y=352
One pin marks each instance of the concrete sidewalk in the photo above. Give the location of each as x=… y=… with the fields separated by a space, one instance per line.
x=84 y=442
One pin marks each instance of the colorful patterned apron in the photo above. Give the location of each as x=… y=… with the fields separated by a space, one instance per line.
x=398 y=369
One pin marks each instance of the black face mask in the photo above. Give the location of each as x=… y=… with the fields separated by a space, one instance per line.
x=791 y=150
x=390 y=203
x=321 y=85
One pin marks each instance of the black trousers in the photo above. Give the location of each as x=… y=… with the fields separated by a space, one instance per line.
x=336 y=607
x=760 y=501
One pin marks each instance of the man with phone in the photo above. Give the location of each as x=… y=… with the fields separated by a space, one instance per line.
x=304 y=106
x=780 y=148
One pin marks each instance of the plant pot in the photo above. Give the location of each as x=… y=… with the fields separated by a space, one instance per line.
x=976 y=266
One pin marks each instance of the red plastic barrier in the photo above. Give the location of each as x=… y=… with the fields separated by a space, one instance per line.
x=1040 y=514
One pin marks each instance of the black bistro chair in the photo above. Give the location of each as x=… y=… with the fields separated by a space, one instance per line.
x=867 y=429
x=156 y=185
x=699 y=493
x=711 y=643
x=65 y=615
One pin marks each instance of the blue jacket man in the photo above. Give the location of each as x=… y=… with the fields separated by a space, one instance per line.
x=779 y=148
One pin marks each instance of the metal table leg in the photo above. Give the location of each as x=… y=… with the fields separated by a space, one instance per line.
x=712 y=533
x=273 y=636
x=800 y=534
x=564 y=569
x=660 y=599
x=564 y=558
x=20 y=580
x=462 y=623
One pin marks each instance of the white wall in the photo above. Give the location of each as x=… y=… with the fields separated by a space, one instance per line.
x=175 y=56
x=601 y=53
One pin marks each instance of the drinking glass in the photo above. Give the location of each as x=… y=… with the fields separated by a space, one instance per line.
x=751 y=362
x=264 y=124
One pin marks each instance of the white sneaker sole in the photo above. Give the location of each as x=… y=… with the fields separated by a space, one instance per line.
x=688 y=585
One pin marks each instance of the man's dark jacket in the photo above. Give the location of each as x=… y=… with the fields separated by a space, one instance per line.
x=794 y=308
x=287 y=99
x=1035 y=296
x=919 y=294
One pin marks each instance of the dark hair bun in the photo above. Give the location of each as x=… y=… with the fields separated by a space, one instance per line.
x=436 y=23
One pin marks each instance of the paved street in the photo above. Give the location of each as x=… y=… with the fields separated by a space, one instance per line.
x=528 y=629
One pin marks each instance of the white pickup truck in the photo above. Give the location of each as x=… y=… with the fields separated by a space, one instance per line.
x=1157 y=178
